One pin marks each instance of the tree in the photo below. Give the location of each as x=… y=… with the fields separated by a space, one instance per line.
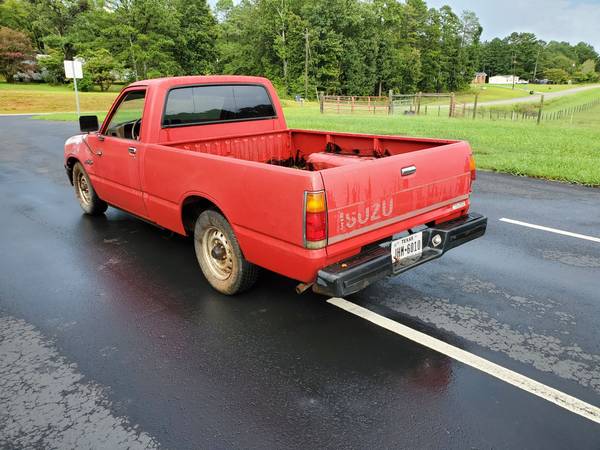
x=196 y=38
x=100 y=66
x=584 y=52
x=557 y=76
x=525 y=48
x=15 y=50
x=52 y=21
x=588 y=66
x=470 y=46
x=452 y=60
x=52 y=63
x=496 y=57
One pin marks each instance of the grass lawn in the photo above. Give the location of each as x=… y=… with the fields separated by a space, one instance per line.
x=552 y=104
x=555 y=150
x=492 y=92
x=24 y=98
x=572 y=100
x=525 y=88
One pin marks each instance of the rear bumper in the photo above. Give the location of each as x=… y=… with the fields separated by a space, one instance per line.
x=374 y=262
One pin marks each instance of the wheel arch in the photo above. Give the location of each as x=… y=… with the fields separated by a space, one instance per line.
x=192 y=206
x=69 y=164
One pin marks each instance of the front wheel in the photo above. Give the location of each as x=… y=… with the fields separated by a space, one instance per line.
x=220 y=256
x=88 y=199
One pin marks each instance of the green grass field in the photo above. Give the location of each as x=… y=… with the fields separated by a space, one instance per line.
x=558 y=150
x=525 y=88
x=18 y=98
x=550 y=104
x=44 y=87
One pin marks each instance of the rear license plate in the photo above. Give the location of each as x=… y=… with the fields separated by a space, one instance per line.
x=407 y=247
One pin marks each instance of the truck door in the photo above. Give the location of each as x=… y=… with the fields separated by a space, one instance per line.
x=119 y=152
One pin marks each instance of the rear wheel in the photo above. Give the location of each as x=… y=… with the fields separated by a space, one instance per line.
x=220 y=256
x=88 y=199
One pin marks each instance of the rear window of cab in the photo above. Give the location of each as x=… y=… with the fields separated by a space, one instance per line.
x=197 y=105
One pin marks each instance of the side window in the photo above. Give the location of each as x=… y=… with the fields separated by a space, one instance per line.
x=126 y=121
x=196 y=105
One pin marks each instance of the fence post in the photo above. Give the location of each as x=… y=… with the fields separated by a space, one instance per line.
x=419 y=103
x=475 y=106
x=391 y=102
x=539 y=118
x=321 y=102
x=451 y=109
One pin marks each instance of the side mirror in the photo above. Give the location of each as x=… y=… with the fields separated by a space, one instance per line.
x=88 y=124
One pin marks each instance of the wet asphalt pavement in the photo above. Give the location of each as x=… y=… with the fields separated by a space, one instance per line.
x=111 y=338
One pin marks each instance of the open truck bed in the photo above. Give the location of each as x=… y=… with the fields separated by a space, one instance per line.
x=371 y=181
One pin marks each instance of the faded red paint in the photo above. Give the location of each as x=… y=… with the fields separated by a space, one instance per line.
x=226 y=164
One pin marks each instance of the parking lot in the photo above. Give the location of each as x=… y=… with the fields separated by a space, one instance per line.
x=110 y=336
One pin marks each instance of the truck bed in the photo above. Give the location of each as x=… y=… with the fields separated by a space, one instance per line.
x=371 y=193
x=296 y=148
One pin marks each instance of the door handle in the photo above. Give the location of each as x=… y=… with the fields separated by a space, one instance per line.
x=405 y=171
x=132 y=150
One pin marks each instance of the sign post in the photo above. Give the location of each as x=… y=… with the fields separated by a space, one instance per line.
x=74 y=70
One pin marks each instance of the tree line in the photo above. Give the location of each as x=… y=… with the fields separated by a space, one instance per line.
x=356 y=47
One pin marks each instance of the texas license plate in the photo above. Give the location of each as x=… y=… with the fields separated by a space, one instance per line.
x=407 y=247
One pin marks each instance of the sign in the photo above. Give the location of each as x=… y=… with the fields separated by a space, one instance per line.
x=73 y=69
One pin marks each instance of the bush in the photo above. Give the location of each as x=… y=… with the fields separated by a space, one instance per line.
x=100 y=67
x=85 y=84
x=53 y=67
x=15 y=50
x=557 y=76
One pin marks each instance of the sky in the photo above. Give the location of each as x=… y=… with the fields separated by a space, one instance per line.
x=559 y=20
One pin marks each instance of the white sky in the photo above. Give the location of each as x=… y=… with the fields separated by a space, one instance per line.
x=560 y=20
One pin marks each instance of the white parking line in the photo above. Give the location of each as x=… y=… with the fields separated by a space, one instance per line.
x=555 y=396
x=551 y=230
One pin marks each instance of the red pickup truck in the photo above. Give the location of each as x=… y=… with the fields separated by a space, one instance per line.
x=212 y=157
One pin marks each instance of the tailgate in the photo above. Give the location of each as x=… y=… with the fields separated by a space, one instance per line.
x=365 y=197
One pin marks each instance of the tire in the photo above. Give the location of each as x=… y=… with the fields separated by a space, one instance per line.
x=86 y=195
x=220 y=256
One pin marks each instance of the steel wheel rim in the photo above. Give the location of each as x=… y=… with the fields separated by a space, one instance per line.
x=83 y=189
x=214 y=242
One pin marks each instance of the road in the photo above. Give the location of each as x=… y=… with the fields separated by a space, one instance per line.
x=111 y=338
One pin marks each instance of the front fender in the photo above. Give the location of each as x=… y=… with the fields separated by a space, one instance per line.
x=76 y=150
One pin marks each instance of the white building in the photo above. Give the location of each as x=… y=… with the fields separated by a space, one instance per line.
x=503 y=79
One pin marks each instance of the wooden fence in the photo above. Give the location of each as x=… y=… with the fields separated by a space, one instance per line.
x=442 y=105
x=344 y=104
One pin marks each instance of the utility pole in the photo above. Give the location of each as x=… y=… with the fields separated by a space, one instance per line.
x=513 y=70
x=282 y=15
x=537 y=58
x=305 y=63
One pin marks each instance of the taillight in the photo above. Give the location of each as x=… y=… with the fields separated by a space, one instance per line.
x=472 y=168
x=315 y=220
